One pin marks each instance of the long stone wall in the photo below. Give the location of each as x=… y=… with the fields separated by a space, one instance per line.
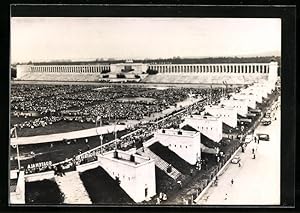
x=212 y=68
x=167 y=73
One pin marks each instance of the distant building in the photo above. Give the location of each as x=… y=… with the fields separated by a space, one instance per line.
x=186 y=144
x=228 y=115
x=209 y=126
x=136 y=173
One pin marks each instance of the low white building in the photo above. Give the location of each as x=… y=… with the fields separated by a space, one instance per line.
x=250 y=99
x=228 y=115
x=263 y=89
x=240 y=105
x=186 y=144
x=210 y=126
x=256 y=94
x=136 y=173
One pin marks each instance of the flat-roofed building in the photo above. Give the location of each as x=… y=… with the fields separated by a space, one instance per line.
x=240 y=105
x=262 y=89
x=136 y=173
x=186 y=144
x=249 y=98
x=228 y=115
x=252 y=94
x=210 y=126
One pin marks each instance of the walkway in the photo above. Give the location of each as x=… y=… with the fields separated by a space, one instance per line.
x=73 y=189
x=67 y=135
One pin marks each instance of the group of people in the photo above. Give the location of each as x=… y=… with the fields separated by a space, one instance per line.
x=85 y=103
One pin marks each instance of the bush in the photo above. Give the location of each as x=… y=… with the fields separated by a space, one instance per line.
x=137 y=76
x=105 y=76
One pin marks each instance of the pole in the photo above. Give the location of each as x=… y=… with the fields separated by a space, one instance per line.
x=101 y=143
x=18 y=157
x=18 y=153
x=115 y=136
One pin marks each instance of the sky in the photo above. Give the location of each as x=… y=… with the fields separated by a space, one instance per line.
x=67 y=38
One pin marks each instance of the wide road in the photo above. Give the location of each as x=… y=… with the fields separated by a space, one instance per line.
x=257 y=181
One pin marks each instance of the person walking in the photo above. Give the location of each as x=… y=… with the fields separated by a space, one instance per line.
x=253 y=151
x=232 y=181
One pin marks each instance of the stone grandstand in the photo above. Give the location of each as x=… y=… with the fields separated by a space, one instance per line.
x=231 y=73
x=75 y=77
x=196 y=79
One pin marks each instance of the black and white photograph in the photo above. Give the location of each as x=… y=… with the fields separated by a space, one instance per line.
x=145 y=111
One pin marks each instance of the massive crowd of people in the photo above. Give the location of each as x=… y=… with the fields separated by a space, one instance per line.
x=86 y=103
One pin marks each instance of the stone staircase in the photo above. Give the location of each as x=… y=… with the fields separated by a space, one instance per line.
x=73 y=188
x=160 y=163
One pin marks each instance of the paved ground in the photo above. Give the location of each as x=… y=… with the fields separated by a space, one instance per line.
x=67 y=135
x=257 y=181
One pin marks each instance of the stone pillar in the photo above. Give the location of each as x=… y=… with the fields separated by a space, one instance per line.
x=273 y=72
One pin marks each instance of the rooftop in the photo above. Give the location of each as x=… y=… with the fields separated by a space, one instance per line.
x=222 y=106
x=202 y=117
x=177 y=132
x=122 y=156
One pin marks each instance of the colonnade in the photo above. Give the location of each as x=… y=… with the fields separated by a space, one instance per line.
x=69 y=68
x=212 y=68
x=163 y=68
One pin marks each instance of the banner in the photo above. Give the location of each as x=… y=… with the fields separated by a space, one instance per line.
x=40 y=164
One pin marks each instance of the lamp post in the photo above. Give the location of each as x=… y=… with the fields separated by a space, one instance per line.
x=101 y=144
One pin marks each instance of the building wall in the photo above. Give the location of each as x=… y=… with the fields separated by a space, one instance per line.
x=132 y=177
x=240 y=105
x=209 y=126
x=250 y=99
x=261 y=89
x=39 y=176
x=253 y=94
x=186 y=147
x=146 y=180
x=228 y=115
x=138 y=67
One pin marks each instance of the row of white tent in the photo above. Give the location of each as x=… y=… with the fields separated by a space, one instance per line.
x=227 y=111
